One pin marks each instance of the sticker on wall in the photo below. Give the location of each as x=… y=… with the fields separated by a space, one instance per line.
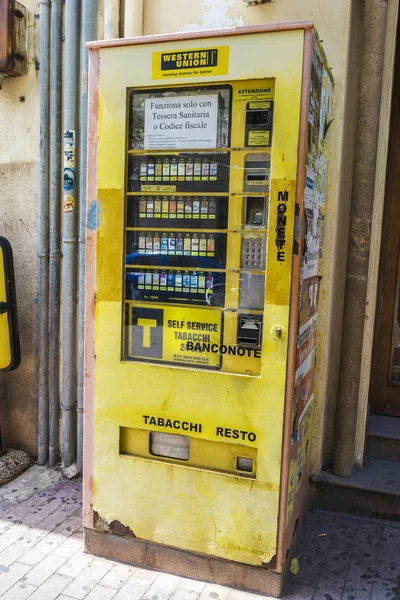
x=201 y=62
x=69 y=158
x=313 y=220
x=69 y=203
x=306 y=339
x=69 y=138
x=291 y=489
x=69 y=149
x=69 y=179
x=303 y=392
x=315 y=112
x=309 y=294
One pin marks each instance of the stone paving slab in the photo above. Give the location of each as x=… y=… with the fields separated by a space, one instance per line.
x=341 y=557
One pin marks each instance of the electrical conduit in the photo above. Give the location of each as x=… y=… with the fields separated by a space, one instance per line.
x=55 y=226
x=89 y=33
x=43 y=254
x=70 y=231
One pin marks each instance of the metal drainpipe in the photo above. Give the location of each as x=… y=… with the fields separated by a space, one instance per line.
x=367 y=131
x=133 y=22
x=70 y=231
x=111 y=19
x=89 y=33
x=43 y=254
x=55 y=217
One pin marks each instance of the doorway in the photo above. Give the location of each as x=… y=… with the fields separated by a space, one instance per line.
x=385 y=376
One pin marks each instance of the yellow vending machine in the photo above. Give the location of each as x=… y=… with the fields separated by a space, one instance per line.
x=10 y=356
x=206 y=187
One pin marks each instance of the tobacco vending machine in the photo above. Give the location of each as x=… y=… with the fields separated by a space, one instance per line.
x=207 y=170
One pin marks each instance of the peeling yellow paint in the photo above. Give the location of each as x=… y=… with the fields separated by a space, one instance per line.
x=200 y=507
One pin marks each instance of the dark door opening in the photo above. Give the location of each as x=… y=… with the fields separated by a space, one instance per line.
x=385 y=376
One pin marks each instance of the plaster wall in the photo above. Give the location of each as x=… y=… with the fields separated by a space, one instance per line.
x=337 y=25
x=337 y=220
x=376 y=228
x=18 y=223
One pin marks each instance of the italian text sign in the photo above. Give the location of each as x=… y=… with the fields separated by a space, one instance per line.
x=181 y=122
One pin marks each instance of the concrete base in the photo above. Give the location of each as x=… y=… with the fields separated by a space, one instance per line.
x=185 y=564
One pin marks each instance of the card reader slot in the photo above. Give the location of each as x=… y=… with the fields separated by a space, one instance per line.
x=249 y=332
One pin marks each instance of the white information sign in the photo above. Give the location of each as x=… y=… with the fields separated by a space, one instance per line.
x=181 y=122
x=310 y=265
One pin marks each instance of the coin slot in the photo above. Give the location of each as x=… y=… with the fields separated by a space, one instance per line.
x=244 y=464
x=169 y=445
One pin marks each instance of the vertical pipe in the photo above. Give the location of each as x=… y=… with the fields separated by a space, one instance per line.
x=43 y=254
x=89 y=33
x=70 y=231
x=133 y=22
x=111 y=19
x=90 y=284
x=367 y=133
x=55 y=218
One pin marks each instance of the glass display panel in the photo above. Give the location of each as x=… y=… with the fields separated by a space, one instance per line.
x=205 y=288
x=201 y=172
x=205 y=212
x=196 y=225
x=174 y=249
x=168 y=118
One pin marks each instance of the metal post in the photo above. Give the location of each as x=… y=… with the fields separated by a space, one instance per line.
x=43 y=254
x=55 y=217
x=89 y=33
x=70 y=230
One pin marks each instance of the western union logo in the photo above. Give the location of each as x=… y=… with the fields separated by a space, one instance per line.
x=188 y=60
x=198 y=62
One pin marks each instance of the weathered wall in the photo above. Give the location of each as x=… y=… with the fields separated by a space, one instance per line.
x=337 y=23
x=18 y=192
x=335 y=252
x=18 y=222
x=376 y=229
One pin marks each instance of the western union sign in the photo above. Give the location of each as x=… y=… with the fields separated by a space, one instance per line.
x=187 y=60
x=191 y=63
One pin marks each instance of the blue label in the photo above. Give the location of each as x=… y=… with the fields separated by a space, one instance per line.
x=69 y=180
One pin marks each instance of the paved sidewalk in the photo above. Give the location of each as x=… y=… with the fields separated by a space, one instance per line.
x=42 y=558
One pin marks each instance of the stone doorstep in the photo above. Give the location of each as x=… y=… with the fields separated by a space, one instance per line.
x=383 y=437
x=373 y=490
